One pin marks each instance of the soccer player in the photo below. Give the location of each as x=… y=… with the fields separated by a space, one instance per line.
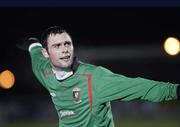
x=82 y=92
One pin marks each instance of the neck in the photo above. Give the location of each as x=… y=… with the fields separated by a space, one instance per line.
x=61 y=69
x=62 y=74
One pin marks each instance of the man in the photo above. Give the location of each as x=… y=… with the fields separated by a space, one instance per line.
x=82 y=92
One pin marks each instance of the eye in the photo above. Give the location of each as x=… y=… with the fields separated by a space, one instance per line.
x=67 y=43
x=57 y=45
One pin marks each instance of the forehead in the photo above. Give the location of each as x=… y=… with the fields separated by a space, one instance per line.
x=58 y=38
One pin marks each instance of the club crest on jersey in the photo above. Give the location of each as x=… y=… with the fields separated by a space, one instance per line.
x=76 y=95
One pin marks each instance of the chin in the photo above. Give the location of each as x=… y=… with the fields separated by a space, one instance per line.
x=66 y=65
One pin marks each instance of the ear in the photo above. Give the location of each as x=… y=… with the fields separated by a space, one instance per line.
x=45 y=53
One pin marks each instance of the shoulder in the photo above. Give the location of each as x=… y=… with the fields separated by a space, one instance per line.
x=87 y=67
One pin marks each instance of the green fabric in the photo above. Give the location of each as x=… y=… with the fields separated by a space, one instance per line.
x=106 y=87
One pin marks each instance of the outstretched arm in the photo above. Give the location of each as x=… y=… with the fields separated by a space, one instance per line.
x=111 y=86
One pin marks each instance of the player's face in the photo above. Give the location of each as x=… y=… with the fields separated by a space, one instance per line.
x=60 y=50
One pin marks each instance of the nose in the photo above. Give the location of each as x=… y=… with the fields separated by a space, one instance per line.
x=65 y=49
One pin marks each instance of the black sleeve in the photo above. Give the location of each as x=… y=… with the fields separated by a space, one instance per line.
x=25 y=42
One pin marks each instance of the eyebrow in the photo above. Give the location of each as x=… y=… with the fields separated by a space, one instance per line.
x=59 y=43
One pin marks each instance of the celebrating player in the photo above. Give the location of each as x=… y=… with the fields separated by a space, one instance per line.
x=82 y=92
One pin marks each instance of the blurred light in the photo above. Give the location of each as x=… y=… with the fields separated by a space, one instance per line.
x=172 y=46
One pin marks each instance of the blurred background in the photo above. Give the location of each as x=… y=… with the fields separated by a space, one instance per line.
x=126 y=40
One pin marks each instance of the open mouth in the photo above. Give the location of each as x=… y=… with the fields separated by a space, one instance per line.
x=65 y=58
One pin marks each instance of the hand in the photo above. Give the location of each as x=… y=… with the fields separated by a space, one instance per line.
x=25 y=42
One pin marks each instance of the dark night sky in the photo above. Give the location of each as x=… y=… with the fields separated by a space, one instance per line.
x=95 y=27
x=122 y=25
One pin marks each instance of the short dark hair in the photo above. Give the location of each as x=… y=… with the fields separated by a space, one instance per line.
x=49 y=31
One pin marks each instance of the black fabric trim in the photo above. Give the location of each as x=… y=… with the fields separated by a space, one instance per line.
x=178 y=91
x=75 y=64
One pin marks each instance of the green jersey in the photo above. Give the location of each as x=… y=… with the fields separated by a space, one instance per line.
x=83 y=99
